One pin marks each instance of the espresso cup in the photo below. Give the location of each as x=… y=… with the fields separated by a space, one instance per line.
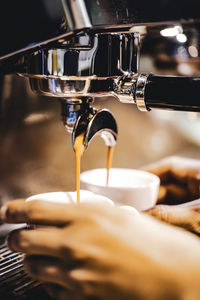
x=85 y=197
x=127 y=187
x=71 y=198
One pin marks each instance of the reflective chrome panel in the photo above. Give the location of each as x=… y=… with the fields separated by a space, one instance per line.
x=100 y=55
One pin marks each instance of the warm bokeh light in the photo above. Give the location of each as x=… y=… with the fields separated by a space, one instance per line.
x=171 y=31
x=181 y=37
x=193 y=51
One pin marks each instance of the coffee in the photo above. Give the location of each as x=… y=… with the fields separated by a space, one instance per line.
x=109 y=161
x=79 y=148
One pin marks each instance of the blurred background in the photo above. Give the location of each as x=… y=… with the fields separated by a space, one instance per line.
x=36 y=152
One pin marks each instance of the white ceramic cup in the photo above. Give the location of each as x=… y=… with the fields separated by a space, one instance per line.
x=135 y=188
x=85 y=197
x=71 y=198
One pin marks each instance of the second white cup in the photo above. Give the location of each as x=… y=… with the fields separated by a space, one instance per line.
x=135 y=188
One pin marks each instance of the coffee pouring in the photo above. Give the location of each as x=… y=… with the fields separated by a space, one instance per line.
x=79 y=50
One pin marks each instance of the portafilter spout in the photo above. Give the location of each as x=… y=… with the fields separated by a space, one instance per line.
x=79 y=117
x=101 y=123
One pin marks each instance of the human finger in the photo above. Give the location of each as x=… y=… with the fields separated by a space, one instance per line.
x=41 y=241
x=69 y=244
x=39 y=212
x=14 y=206
x=175 y=194
x=183 y=217
x=162 y=171
x=50 y=270
x=162 y=193
x=193 y=186
x=181 y=174
x=61 y=293
x=188 y=178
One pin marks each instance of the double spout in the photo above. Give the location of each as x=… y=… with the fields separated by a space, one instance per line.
x=79 y=117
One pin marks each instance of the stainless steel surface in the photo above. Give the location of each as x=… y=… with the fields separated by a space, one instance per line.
x=79 y=117
x=72 y=109
x=140 y=92
x=76 y=71
x=49 y=21
x=76 y=14
x=76 y=74
x=95 y=123
x=124 y=89
x=98 y=55
x=71 y=87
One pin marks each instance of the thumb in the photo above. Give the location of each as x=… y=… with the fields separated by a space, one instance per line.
x=186 y=218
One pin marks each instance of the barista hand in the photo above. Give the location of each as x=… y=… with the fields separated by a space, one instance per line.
x=180 y=179
x=104 y=252
x=180 y=182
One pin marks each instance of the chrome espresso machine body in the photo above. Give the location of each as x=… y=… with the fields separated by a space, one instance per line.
x=81 y=49
x=77 y=50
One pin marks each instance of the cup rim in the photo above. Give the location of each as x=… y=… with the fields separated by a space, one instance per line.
x=155 y=181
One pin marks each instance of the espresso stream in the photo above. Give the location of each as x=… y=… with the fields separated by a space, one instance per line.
x=109 y=161
x=79 y=148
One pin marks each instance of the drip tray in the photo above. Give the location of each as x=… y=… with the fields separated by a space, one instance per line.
x=14 y=282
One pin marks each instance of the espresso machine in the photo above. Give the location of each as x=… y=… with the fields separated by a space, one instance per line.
x=80 y=50
x=75 y=51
